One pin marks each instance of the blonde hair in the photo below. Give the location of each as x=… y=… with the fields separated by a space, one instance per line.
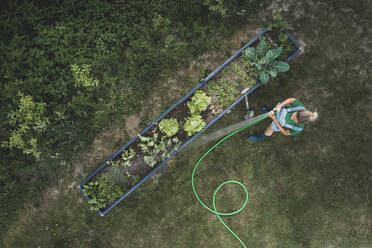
x=305 y=116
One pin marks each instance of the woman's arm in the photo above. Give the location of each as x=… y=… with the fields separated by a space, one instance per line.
x=287 y=101
x=286 y=132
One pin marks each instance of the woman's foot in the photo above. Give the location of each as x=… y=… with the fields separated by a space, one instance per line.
x=258 y=137
x=265 y=109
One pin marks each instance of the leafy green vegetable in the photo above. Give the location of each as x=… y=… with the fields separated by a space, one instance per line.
x=283 y=37
x=83 y=77
x=199 y=102
x=224 y=90
x=136 y=178
x=265 y=61
x=158 y=150
x=279 y=23
x=169 y=126
x=127 y=156
x=194 y=124
x=102 y=191
x=27 y=122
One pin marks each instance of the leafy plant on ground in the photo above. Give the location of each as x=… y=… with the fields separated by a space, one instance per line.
x=199 y=102
x=82 y=76
x=265 y=61
x=279 y=23
x=194 y=124
x=158 y=150
x=102 y=191
x=169 y=126
x=27 y=123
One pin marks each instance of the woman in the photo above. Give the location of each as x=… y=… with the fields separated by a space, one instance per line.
x=290 y=118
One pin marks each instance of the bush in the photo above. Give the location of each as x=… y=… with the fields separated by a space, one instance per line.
x=27 y=122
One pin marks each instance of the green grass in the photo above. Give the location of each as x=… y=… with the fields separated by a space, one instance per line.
x=309 y=190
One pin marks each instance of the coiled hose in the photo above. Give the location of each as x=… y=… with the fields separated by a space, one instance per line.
x=218 y=214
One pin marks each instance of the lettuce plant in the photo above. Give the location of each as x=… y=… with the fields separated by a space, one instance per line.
x=169 y=126
x=194 y=124
x=265 y=62
x=199 y=102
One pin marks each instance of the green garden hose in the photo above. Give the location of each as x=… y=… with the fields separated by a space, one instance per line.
x=218 y=214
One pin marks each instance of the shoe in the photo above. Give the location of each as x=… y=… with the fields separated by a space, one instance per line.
x=265 y=109
x=258 y=137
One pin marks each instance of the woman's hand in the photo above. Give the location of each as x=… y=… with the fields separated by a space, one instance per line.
x=278 y=108
x=272 y=115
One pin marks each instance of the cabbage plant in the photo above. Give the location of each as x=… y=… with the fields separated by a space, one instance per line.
x=194 y=124
x=199 y=102
x=265 y=62
x=169 y=126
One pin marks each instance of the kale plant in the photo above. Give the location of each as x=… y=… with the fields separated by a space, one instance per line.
x=265 y=61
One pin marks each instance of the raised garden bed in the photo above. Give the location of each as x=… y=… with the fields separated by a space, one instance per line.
x=250 y=67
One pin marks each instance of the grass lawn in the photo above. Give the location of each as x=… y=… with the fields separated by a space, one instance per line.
x=310 y=190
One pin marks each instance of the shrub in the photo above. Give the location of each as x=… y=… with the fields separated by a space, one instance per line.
x=169 y=126
x=194 y=124
x=83 y=77
x=28 y=121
